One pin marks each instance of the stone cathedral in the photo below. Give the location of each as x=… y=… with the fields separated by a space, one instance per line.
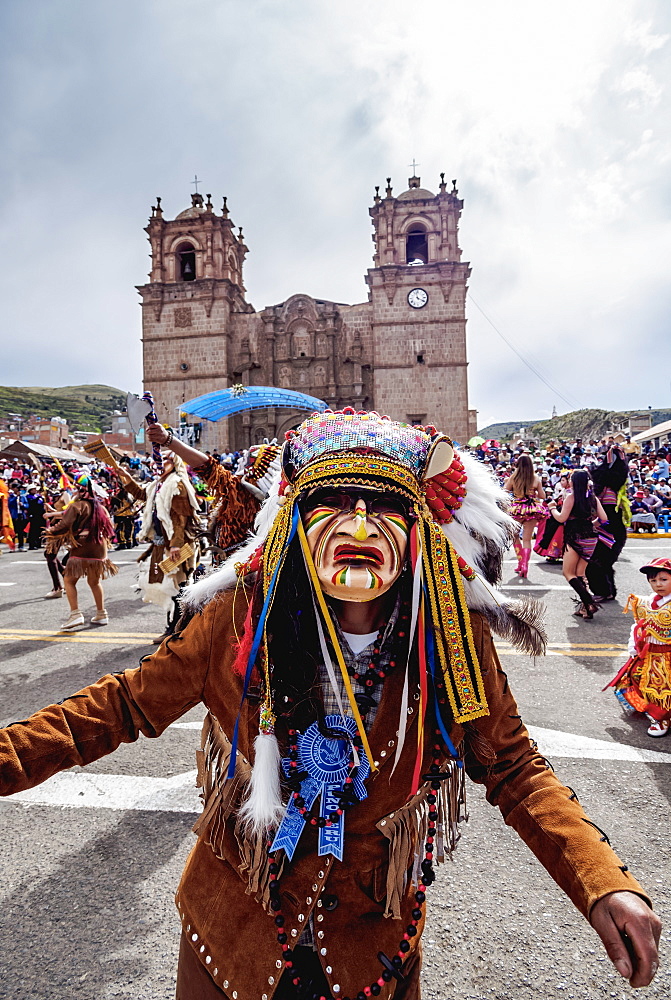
x=401 y=352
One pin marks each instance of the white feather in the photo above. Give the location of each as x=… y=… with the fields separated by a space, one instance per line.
x=263 y=808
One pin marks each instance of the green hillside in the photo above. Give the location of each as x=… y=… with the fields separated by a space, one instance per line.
x=503 y=431
x=587 y=424
x=85 y=407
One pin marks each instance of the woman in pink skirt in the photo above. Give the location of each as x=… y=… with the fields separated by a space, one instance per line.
x=527 y=507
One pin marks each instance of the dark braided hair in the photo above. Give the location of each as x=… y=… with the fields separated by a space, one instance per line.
x=293 y=643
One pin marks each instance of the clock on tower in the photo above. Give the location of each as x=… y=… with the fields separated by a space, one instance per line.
x=417 y=298
x=417 y=292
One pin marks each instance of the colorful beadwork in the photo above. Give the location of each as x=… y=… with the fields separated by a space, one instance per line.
x=338 y=431
x=452 y=627
x=350 y=468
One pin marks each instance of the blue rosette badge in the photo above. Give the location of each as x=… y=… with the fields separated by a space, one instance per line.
x=326 y=762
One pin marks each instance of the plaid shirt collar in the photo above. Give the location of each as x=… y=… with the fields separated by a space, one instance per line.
x=358 y=663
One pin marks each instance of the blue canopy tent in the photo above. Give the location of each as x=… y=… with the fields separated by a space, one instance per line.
x=226 y=402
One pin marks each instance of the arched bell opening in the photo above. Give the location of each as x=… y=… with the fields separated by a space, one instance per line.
x=186 y=258
x=416 y=245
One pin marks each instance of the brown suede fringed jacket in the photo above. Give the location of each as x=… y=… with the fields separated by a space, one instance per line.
x=222 y=894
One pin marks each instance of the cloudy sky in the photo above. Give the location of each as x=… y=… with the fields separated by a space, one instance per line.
x=554 y=118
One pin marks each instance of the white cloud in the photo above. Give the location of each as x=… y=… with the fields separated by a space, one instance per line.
x=552 y=117
x=641 y=86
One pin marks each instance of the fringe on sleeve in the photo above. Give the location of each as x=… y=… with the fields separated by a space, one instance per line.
x=221 y=800
x=405 y=829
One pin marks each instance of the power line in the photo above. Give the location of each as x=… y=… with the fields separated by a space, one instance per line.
x=573 y=403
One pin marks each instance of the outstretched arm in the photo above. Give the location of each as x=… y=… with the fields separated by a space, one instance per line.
x=95 y=721
x=551 y=821
x=157 y=434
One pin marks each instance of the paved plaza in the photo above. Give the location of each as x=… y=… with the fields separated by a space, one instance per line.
x=89 y=860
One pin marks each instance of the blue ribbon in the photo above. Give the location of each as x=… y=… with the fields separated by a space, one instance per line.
x=292 y=825
x=431 y=660
x=326 y=760
x=331 y=838
x=258 y=635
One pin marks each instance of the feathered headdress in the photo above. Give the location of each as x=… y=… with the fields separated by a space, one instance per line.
x=460 y=532
x=259 y=467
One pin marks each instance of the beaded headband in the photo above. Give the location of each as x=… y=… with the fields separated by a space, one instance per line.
x=344 y=446
x=355 y=469
x=347 y=430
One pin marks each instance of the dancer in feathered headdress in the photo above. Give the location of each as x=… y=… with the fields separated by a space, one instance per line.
x=85 y=529
x=170 y=525
x=446 y=539
x=238 y=494
x=350 y=680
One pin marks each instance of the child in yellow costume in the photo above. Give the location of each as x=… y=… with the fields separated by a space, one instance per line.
x=644 y=682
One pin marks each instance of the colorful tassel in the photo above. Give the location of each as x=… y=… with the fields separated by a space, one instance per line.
x=258 y=636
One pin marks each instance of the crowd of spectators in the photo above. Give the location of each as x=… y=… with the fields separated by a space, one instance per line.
x=37 y=494
x=648 y=486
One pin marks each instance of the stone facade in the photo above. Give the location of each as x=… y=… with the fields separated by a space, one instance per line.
x=403 y=352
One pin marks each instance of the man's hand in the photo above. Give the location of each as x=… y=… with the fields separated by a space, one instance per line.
x=174 y=552
x=630 y=933
x=157 y=434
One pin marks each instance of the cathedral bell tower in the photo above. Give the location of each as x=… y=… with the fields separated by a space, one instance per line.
x=195 y=288
x=417 y=293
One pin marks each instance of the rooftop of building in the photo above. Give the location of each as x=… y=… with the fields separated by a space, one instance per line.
x=196 y=208
x=415 y=192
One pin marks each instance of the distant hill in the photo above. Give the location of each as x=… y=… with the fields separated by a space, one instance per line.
x=85 y=407
x=587 y=424
x=503 y=431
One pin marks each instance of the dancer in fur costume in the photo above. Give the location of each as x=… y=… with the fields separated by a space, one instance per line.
x=609 y=478
x=238 y=495
x=170 y=524
x=85 y=529
x=350 y=682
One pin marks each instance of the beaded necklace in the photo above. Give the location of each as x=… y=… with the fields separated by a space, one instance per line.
x=391 y=967
x=374 y=677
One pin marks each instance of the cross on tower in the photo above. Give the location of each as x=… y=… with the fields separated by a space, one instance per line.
x=414 y=167
x=195 y=182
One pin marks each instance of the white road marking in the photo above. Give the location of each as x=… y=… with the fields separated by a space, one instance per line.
x=578 y=646
x=553 y=743
x=534 y=586
x=77 y=789
x=108 y=632
x=630 y=545
x=6 y=584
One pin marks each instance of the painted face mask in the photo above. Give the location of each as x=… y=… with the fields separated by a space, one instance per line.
x=358 y=540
